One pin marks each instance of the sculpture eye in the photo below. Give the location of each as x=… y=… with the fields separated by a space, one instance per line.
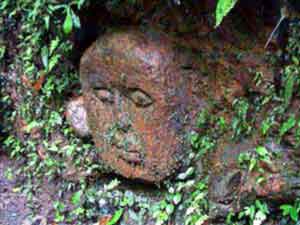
x=140 y=98
x=104 y=94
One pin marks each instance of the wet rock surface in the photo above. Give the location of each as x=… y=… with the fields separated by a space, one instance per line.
x=233 y=187
x=139 y=102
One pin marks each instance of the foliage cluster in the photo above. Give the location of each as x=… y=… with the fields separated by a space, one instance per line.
x=38 y=68
x=43 y=32
x=280 y=122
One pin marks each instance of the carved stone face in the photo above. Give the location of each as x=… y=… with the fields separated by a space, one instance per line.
x=136 y=97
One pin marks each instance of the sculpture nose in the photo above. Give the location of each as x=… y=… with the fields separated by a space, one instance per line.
x=124 y=122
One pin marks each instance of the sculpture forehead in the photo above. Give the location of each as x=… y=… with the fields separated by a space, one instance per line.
x=136 y=55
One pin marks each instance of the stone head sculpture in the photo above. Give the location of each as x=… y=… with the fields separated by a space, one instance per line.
x=137 y=97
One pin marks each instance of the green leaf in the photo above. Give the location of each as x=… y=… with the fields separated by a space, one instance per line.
x=31 y=125
x=112 y=184
x=260 y=180
x=47 y=22
x=286 y=126
x=75 y=19
x=75 y=199
x=177 y=198
x=116 y=217
x=59 y=206
x=53 y=45
x=252 y=211
x=262 y=151
x=295 y=60
x=266 y=125
x=223 y=8
x=45 y=56
x=288 y=88
x=4 y=4
x=170 y=209
x=186 y=174
x=252 y=164
x=263 y=207
x=286 y=209
x=78 y=211
x=294 y=214
x=68 y=23
x=202 y=220
x=80 y=3
x=53 y=61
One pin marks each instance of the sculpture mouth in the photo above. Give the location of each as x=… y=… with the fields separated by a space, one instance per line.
x=128 y=144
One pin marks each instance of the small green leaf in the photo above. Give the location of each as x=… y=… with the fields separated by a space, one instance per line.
x=252 y=164
x=289 y=88
x=112 y=184
x=294 y=214
x=53 y=45
x=45 y=56
x=252 y=211
x=116 y=217
x=286 y=126
x=80 y=3
x=31 y=125
x=75 y=19
x=68 y=23
x=186 y=174
x=53 y=61
x=4 y=4
x=177 y=198
x=260 y=180
x=266 y=125
x=262 y=151
x=170 y=209
x=223 y=8
x=75 y=199
x=286 y=209
x=47 y=22
x=295 y=60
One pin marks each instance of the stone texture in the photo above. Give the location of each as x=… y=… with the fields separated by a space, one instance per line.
x=232 y=187
x=139 y=100
x=77 y=116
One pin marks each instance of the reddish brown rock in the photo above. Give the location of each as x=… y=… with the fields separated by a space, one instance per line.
x=138 y=99
x=231 y=187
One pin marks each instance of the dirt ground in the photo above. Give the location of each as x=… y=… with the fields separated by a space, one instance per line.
x=13 y=205
x=15 y=209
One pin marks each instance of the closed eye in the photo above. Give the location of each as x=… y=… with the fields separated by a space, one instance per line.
x=139 y=97
x=104 y=94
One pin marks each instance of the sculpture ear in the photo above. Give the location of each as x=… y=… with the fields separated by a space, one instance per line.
x=104 y=94
x=139 y=97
